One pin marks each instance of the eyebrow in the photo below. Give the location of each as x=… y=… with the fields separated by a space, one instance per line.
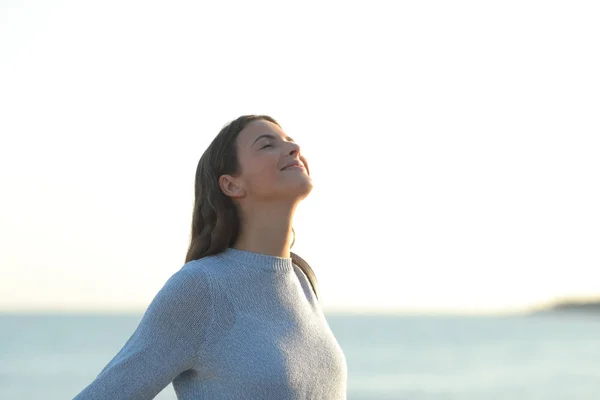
x=270 y=136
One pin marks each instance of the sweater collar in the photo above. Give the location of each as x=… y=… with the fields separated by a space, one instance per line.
x=257 y=260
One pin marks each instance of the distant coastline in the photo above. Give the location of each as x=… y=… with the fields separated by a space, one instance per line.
x=568 y=307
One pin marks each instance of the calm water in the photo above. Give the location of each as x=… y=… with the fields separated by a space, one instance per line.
x=389 y=357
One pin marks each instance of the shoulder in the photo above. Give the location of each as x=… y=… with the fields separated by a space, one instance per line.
x=191 y=281
x=201 y=267
x=186 y=293
x=194 y=275
x=306 y=273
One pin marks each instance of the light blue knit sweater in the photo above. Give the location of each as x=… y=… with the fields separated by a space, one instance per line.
x=235 y=325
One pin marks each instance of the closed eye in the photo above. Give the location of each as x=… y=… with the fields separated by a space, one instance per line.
x=265 y=146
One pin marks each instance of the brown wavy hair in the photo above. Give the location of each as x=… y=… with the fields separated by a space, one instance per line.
x=216 y=220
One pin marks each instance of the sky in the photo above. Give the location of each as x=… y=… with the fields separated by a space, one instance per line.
x=453 y=146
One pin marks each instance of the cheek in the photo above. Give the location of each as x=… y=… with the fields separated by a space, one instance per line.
x=263 y=177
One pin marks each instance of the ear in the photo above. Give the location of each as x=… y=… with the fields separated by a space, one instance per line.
x=230 y=186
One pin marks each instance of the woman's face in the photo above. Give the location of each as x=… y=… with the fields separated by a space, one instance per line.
x=264 y=153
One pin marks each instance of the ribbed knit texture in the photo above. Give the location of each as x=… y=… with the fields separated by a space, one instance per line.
x=235 y=325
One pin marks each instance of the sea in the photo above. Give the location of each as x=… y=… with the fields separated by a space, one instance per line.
x=526 y=357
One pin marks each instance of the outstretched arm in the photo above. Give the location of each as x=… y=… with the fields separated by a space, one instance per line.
x=166 y=342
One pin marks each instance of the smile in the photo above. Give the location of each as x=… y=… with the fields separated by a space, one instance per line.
x=293 y=166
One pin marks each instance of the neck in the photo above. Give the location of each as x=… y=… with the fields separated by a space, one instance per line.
x=267 y=230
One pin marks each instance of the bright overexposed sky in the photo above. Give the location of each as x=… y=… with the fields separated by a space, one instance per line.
x=454 y=146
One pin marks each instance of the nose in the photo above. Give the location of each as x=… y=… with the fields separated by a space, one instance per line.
x=295 y=148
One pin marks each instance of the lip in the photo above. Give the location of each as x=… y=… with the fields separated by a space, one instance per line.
x=294 y=164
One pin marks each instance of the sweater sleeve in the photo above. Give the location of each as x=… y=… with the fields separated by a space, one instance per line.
x=166 y=342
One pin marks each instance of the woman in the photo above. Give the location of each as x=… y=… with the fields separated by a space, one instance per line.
x=239 y=320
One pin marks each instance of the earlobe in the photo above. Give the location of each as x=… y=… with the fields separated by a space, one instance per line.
x=229 y=187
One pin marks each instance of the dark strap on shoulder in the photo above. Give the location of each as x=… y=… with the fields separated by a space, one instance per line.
x=299 y=261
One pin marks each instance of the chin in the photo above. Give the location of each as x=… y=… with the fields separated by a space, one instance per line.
x=305 y=189
x=301 y=189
